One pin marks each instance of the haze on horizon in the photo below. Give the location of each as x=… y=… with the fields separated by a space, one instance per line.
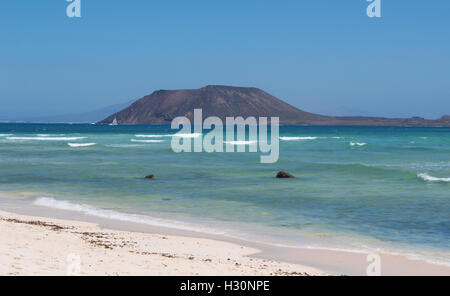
x=323 y=56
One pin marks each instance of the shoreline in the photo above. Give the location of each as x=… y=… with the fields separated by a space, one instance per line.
x=32 y=245
x=290 y=260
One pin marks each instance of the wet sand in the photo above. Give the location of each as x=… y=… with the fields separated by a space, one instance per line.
x=42 y=241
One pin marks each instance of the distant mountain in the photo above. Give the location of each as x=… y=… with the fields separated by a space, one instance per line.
x=87 y=117
x=162 y=106
x=445 y=118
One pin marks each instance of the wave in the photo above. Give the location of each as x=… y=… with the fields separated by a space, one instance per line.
x=113 y=215
x=357 y=144
x=123 y=145
x=147 y=141
x=158 y=222
x=81 y=144
x=297 y=138
x=46 y=138
x=240 y=142
x=193 y=135
x=5 y=135
x=427 y=177
x=153 y=136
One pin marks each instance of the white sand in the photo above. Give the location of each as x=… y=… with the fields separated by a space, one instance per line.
x=43 y=246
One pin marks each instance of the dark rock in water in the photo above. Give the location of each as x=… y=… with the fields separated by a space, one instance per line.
x=150 y=177
x=284 y=175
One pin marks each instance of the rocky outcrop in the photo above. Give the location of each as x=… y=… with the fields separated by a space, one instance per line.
x=284 y=175
x=162 y=106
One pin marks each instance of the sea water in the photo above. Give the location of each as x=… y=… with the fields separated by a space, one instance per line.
x=356 y=188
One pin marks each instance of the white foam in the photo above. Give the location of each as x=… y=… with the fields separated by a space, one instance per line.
x=5 y=135
x=153 y=136
x=46 y=138
x=357 y=144
x=147 y=141
x=113 y=215
x=427 y=177
x=81 y=144
x=148 y=220
x=194 y=135
x=297 y=138
x=124 y=145
x=240 y=142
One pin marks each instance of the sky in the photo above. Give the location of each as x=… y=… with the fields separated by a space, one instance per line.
x=322 y=56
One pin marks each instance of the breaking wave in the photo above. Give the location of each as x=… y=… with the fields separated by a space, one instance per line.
x=297 y=138
x=124 y=145
x=153 y=136
x=427 y=177
x=147 y=141
x=46 y=138
x=113 y=215
x=353 y=144
x=194 y=135
x=240 y=142
x=81 y=144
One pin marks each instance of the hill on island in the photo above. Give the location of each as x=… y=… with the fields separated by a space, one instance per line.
x=162 y=106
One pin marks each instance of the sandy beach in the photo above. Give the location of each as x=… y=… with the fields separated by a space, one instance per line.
x=37 y=240
x=42 y=246
x=34 y=244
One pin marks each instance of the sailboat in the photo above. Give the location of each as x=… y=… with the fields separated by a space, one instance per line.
x=114 y=122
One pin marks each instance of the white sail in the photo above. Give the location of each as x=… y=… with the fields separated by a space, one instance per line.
x=114 y=122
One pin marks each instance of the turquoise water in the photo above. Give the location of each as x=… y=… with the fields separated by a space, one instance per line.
x=356 y=188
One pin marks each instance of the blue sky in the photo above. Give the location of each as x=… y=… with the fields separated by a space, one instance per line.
x=323 y=56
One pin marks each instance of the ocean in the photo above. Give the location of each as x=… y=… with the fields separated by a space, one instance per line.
x=363 y=189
